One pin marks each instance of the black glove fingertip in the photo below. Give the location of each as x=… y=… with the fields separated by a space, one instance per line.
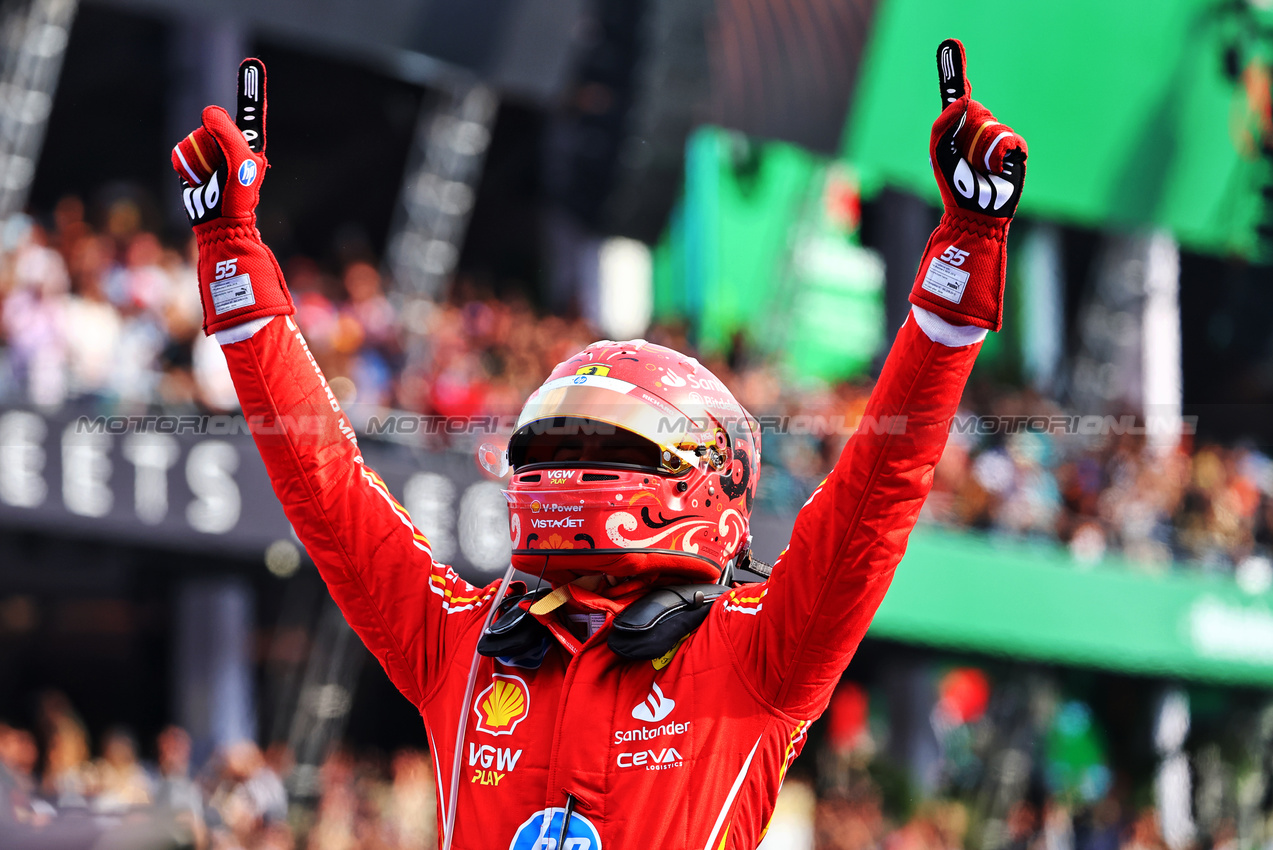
x=251 y=112
x=952 y=77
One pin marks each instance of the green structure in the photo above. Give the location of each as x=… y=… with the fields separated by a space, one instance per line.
x=764 y=242
x=1131 y=119
x=960 y=591
x=1140 y=115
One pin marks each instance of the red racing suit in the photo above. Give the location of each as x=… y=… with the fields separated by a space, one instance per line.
x=688 y=751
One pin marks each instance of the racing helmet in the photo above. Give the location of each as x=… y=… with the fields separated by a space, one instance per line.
x=631 y=460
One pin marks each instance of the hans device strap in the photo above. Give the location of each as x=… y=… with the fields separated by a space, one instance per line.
x=646 y=629
x=651 y=626
x=514 y=632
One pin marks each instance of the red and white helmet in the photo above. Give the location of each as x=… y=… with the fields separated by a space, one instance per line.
x=631 y=459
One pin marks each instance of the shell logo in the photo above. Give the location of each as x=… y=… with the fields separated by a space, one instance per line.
x=504 y=704
x=535 y=507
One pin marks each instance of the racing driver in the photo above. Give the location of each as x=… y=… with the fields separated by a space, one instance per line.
x=614 y=709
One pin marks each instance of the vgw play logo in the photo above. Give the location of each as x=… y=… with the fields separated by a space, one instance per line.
x=541 y=830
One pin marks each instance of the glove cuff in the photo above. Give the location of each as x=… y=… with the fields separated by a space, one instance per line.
x=224 y=228
x=983 y=226
x=961 y=277
x=239 y=278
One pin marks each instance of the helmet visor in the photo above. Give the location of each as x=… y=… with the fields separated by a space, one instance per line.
x=597 y=408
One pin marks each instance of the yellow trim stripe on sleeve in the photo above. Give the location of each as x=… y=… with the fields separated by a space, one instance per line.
x=198 y=152
x=451 y=601
x=400 y=512
x=397 y=506
x=384 y=489
x=977 y=135
x=797 y=735
x=450 y=595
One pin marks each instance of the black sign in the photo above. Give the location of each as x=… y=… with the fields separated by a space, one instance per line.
x=197 y=483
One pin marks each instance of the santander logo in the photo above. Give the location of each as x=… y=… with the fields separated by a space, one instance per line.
x=672 y=379
x=655 y=707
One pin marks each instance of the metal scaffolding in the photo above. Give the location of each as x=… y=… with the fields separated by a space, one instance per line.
x=34 y=36
x=439 y=187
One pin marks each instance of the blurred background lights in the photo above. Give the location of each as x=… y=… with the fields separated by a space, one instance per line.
x=1255 y=574
x=627 y=290
x=283 y=558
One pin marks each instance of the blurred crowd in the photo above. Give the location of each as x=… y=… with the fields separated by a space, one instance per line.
x=54 y=793
x=101 y=313
x=1016 y=466
x=856 y=821
x=112 y=315
x=109 y=315
x=1201 y=505
x=51 y=788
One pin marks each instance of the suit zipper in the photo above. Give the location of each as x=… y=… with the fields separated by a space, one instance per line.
x=565 y=819
x=572 y=668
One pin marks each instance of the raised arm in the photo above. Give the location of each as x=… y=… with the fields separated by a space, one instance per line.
x=793 y=636
x=377 y=566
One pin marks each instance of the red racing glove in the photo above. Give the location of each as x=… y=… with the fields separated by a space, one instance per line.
x=222 y=166
x=980 y=169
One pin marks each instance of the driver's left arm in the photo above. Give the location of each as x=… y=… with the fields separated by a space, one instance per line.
x=792 y=637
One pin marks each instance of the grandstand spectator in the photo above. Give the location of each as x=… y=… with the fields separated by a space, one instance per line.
x=93 y=325
x=410 y=807
x=35 y=318
x=247 y=807
x=66 y=781
x=112 y=315
x=18 y=758
x=336 y=824
x=174 y=789
x=841 y=824
x=118 y=780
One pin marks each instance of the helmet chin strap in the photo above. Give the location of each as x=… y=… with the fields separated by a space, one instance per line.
x=540 y=582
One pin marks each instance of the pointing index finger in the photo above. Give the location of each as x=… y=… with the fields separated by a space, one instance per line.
x=251 y=114
x=952 y=71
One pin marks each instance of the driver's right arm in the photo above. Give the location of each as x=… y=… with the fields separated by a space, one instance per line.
x=407 y=609
x=376 y=564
